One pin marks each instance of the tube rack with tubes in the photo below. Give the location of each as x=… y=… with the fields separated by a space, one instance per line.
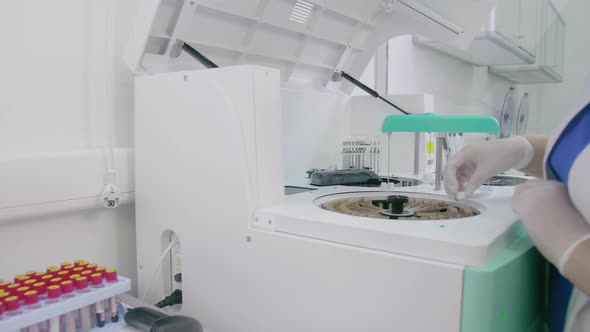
x=361 y=152
x=51 y=308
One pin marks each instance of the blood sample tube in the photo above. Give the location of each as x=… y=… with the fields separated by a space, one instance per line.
x=63 y=274
x=46 y=278
x=30 y=273
x=3 y=296
x=12 y=305
x=86 y=273
x=41 y=289
x=77 y=270
x=111 y=276
x=67 y=288
x=31 y=300
x=21 y=278
x=53 y=293
x=102 y=270
x=68 y=320
x=83 y=264
x=4 y=285
x=64 y=264
x=79 y=262
x=96 y=281
x=12 y=288
x=55 y=281
x=54 y=325
x=37 y=276
x=33 y=328
x=52 y=269
x=21 y=292
x=1 y=309
x=29 y=282
x=85 y=312
x=68 y=268
x=92 y=267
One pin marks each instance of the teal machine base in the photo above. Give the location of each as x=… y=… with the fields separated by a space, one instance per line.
x=508 y=294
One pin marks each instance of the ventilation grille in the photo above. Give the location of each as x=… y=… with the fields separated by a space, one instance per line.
x=301 y=11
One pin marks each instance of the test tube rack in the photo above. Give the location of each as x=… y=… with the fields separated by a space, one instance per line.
x=64 y=305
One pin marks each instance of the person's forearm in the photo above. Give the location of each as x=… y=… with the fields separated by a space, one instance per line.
x=577 y=269
x=535 y=167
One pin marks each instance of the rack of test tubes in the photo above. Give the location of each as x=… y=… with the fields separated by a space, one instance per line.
x=74 y=297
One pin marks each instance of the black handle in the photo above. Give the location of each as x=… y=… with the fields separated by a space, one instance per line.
x=397 y=203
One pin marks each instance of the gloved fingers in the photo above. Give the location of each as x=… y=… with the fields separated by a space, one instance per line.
x=451 y=182
x=457 y=172
x=479 y=177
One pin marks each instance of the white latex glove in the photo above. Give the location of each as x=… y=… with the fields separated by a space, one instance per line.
x=554 y=224
x=475 y=164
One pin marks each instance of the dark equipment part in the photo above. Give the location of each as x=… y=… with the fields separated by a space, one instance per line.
x=150 y=320
x=181 y=45
x=345 y=177
x=178 y=277
x=170 y=300
x=370 y=91
x=397 y=203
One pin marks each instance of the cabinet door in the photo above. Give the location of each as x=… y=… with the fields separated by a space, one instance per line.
x=559 y=47
x=550 y=38
x=528 y=25
x=507 y=16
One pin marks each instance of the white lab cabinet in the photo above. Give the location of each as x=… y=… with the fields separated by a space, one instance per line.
x=509 y=37
x=548 y=67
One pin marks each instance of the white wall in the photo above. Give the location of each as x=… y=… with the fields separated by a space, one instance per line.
x=557 y=101
x=457 y=87
x=58 y=59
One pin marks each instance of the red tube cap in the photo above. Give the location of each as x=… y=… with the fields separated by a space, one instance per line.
x=30 y=273
x=22 y=290
x=46 y=278
x=102 y=270
x=30 y=282
x=12 y=288
x=81 y=283
x=52 y=269
x=63 y=274
x=40 y=287
x=4 y=285
x=53 y=291
x=3 y=296
x=1 y=308
x=67 y=286
x=79 y=262
x=64 y=264
x=92 y=267
x=111 y=275
x=11 y=303
x=38 y=275
x=31 y=297
x=96 y=279
x=55 y=281
x=21 y=278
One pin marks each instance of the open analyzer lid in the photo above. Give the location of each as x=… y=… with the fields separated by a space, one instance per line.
x=308 y=40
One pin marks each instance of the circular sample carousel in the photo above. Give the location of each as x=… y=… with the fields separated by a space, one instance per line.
x=402 y=206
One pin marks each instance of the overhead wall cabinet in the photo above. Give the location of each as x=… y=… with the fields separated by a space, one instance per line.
x=548 y=67
x=308 y=40
x=509 y=37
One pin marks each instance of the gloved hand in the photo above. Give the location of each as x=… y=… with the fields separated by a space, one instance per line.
x=475 y=164
x=554 y=224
